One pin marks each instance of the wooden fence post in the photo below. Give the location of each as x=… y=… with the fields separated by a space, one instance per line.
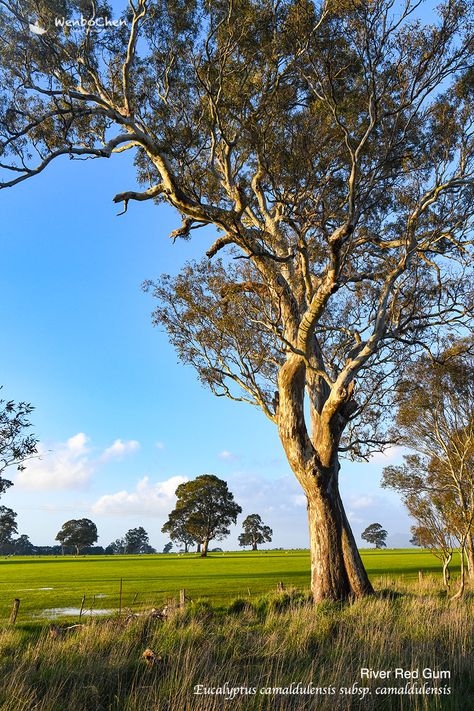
x=82 y=607
x=14 y=612
x=182 y=599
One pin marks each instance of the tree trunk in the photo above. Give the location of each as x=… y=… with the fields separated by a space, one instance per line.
x=460 y=591
x=470 y=557
x=198 y=547
x=254 y=546
x=446 y=573
x=204 y=548
x=337 y=572
x=185 y=547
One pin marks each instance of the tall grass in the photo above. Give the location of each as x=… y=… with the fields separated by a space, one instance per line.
x=272 y=642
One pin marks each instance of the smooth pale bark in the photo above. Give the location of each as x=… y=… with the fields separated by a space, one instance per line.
x=254 y=546
x=337 y=572
x=470 y=557
x=462 y=579
x=205 y=545
x=446 y=573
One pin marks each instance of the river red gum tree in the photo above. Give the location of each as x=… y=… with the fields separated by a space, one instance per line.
x=330 y=146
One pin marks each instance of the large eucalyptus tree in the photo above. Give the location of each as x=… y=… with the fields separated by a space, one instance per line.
x=330 y=146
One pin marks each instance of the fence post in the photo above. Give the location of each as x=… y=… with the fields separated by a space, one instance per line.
x=182 y=598
x=120 y=603
x=280 y=586
x=14 y=612
x=82 y=607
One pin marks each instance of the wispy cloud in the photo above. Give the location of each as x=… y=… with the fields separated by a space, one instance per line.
x=149 y=499
x=119 y=449
x=227 y=456
x=160 y=445
x=66 y=465
x=390 y=455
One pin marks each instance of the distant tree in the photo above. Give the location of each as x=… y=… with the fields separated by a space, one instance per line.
x=8 y=528
x=23 y=546
x=16 y=445
x=208 y=508
x=415 y=539
x=435 y=418
x=431 y=533
x=176 y=528
x=136 y=540
x=254 y=532
x=375 y=534
x=78 y=533
x=167 y=548
x=117 y=547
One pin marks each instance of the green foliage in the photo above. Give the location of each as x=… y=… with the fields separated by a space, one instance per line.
x=136 y=541
x=8 y=526
x=15 y=444
x=255 y=532
x=435 y=419
x=207 y=507
x=78 y=533
x=375 y=534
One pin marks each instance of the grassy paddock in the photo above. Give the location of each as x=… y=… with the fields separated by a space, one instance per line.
x=46 y=583
x=271 y=641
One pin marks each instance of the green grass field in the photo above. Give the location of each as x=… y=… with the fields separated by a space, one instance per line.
x=46 y=584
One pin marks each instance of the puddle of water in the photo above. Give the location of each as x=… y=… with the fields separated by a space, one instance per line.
x=45 y=588
x=54 y=612
x=100 y=595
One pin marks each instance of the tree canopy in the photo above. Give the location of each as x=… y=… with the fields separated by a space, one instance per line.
x=255 y=532
x=435 y=419
x=16 y=444
x=328 y=146
x=78 y=534
x=136 y=541
x=375 y=534
x=208 y=508
x=177 y=528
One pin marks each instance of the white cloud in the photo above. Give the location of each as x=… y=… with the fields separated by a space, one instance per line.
x=227 y=456
x=160 y=445
x=119 y=449
x=390 y=455
x=65 y=466
x=148 y=499
x=361 y=502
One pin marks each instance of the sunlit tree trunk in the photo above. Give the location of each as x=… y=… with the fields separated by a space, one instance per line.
x=470 y=557
x=204 y=547
x=446 y=573
x=337 y=572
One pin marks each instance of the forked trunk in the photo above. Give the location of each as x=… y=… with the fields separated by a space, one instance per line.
x=337 y=572
x=204 y=548
x=446 y=573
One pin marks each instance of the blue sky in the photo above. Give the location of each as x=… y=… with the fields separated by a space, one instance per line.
x=120 y=421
